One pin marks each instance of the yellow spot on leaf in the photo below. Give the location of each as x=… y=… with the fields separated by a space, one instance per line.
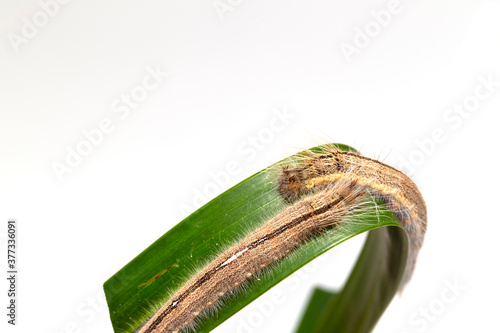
x=157 y=276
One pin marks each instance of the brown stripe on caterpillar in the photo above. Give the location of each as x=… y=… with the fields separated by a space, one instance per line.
x=262 y=247
x=315 y=170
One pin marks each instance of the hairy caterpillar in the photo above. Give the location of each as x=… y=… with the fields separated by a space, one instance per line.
x=324 y=187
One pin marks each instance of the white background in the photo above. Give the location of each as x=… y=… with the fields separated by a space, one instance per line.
x=230 y=69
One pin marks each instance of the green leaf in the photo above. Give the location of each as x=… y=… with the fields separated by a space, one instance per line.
x=369 y=290
x=319 y=300
x=135 y=292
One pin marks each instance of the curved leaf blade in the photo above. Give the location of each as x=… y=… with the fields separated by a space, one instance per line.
x=134 y=292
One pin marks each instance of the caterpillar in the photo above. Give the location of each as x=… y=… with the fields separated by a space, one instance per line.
x=323 y=188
